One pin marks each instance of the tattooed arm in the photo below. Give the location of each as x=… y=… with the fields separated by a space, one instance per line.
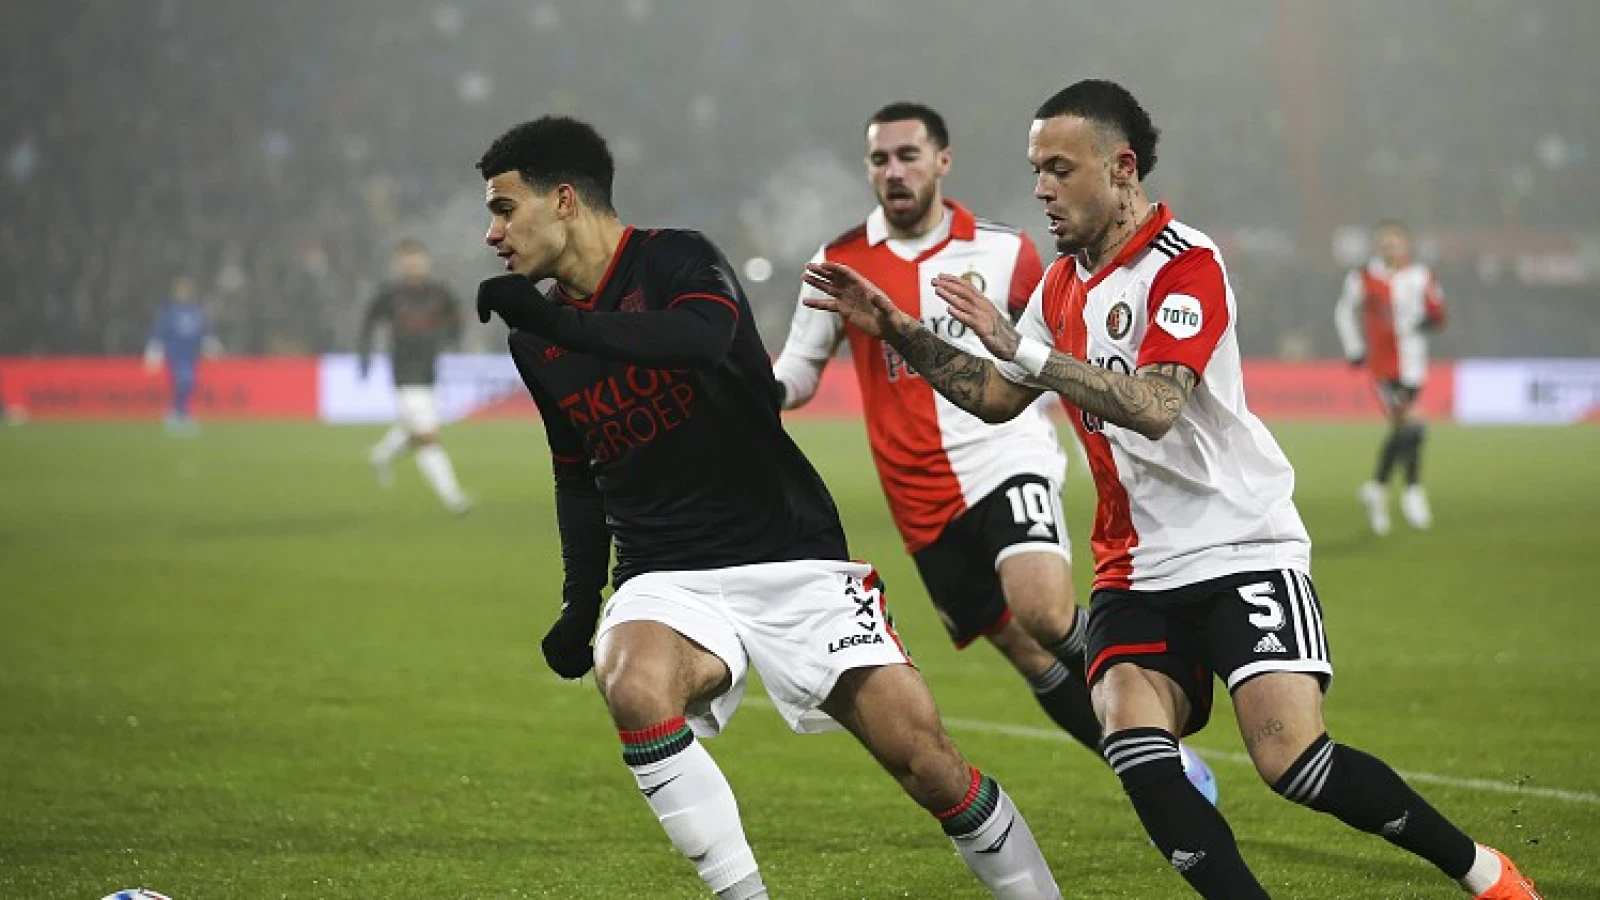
x=1148 y=401
x=970 y=382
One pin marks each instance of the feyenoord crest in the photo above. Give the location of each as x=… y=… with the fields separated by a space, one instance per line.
x=1119 y=320
x=975 y=278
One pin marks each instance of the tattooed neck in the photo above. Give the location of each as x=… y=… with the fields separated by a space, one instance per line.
x=1132 y=211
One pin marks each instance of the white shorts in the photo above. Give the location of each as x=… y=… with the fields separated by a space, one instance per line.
x=802 y=624
x=418 y=413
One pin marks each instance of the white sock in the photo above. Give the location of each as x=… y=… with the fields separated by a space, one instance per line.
x=696 y=808
x=389 y=446
x=1484 y=873
x=435 y=466
x=999 y=848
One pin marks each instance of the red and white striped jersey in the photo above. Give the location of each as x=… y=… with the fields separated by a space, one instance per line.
x=934 y=460
x=1383 y=315
x=1213 y=496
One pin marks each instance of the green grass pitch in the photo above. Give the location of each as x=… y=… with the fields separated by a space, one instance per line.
x=232 y=667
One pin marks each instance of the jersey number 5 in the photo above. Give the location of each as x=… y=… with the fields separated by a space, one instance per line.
x=1259 y=595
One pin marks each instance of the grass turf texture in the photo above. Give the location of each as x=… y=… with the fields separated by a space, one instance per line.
x=232 y=667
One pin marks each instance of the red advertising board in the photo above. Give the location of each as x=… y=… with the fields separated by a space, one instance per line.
x=121 y=388
x=1333 y=390
x=303 y=388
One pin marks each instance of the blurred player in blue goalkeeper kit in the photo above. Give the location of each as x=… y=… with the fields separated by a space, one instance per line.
x=422 y=316
x=180 y=336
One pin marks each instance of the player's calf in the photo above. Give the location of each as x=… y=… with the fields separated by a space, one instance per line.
x=889 y=710
x=1141 y=709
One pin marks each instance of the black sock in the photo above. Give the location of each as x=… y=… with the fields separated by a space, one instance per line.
x=1367 y=795
x=1413 y=456
x=1388 y=455
x=1188 y=830
x=1071 y=647
x=1065 y=697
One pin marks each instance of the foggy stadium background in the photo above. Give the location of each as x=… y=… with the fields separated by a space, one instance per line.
x=277 y=151
x=233 y=667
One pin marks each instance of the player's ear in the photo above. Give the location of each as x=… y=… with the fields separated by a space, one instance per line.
x=567 y=205
x=944 y=161
x=1124 y=165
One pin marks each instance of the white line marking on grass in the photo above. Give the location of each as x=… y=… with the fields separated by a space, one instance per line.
x=1486 y=785
x=1234 y=756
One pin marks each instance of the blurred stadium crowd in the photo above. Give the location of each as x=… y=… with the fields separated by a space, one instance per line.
x=277 y=151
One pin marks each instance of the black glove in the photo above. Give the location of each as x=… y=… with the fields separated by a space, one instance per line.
x=1356 y=362
x=514 y=297
x=567 y=646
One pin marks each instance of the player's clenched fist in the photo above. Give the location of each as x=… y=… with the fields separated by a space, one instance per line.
x=514 y=298
x=567 y=648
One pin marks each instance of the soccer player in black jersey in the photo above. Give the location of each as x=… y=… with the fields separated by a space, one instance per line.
x=422 y=316
x=660 y=409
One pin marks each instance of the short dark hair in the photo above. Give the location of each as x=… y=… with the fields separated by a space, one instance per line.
x=552 y=151
x=1391 y=223
x=903 y=110
x=1108 y=104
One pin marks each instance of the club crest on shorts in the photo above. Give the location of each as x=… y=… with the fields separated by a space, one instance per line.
x=976 y=279
x=1119 y=320
x=1180 y=316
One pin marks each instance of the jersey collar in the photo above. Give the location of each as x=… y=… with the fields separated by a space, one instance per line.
x=589 y=301
x=963 y=225
x=1160 y=218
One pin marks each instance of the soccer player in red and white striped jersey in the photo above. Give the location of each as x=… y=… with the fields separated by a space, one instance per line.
x=977 y=505
x=1384 y=315
x=1202 y=566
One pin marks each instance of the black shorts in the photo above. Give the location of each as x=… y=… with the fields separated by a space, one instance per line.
x=1236 y=627
x=961 y=568
x=1397 y=394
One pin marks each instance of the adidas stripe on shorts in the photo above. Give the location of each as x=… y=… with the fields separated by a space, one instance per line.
x=1235 y=627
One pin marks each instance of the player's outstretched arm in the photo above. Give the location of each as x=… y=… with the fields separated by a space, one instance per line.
x=1148 y=401
x=970 y=382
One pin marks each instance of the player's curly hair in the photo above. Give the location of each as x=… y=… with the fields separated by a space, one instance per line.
x=903 y=110
x=552 y=151
x=1110 y=105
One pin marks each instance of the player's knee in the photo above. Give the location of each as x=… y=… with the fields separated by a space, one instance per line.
x=1127 y=696
x=637 y=698
x=423 y=439
x=1275 y=746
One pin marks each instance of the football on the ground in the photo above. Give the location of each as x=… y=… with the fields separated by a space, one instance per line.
x=1200 y=774
x=136 y=894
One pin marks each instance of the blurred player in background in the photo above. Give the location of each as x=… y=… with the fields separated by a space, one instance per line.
x=1384 y=315
x=977 y=505
x=1202 y=564
x=660 y=410
x=180 y=337
x=422 y=317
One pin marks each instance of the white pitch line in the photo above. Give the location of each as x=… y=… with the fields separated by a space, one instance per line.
x=1233 y=756
x=1487 y=785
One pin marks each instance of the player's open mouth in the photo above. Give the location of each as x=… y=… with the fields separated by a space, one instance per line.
x=505 y=256
x=1056 y=222
x=899 y=197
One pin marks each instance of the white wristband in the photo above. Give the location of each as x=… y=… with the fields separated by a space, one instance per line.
x=1032 y=355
